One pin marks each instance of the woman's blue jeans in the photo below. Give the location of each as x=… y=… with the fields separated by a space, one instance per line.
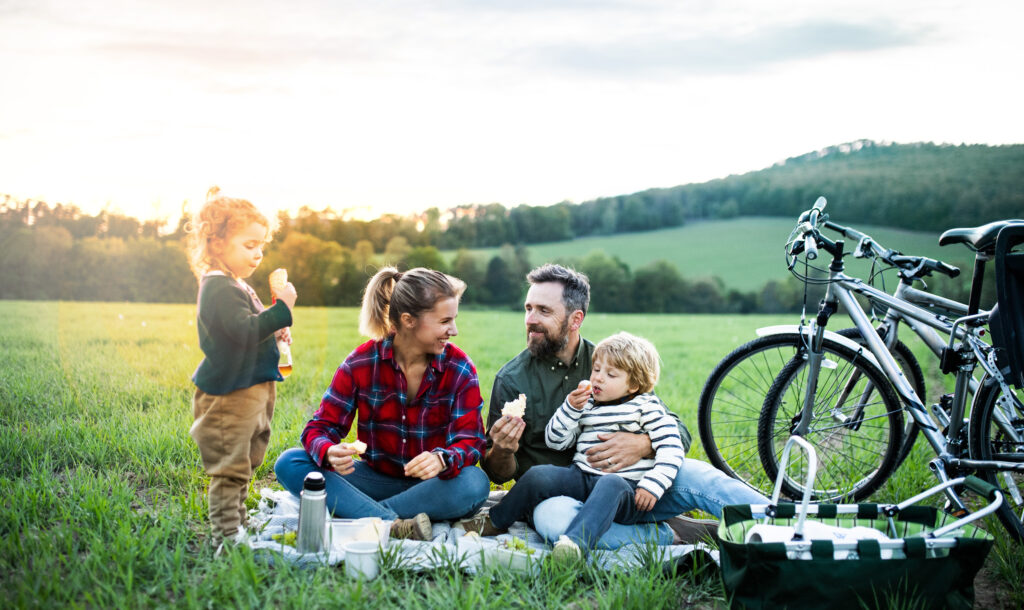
x=368 y=493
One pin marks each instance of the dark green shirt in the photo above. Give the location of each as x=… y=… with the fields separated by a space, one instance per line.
x=236 y=335
x=546 y=382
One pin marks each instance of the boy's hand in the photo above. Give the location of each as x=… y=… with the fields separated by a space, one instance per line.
x=644 y=499
x=340 y=458
x=578 y=398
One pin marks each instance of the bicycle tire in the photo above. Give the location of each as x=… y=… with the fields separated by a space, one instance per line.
x=854 y=458
x=732 y=396
x=730 y=405
x=910 y=366
x=989 y=441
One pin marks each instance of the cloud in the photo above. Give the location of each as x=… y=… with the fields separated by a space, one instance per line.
x=730 y=54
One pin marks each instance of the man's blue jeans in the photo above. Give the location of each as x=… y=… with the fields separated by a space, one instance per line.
x=368 y=493
x=698 y=485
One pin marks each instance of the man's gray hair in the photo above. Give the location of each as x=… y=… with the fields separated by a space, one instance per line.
x=575 y=285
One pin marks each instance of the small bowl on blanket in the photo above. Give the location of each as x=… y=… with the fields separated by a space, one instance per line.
x=367 y=529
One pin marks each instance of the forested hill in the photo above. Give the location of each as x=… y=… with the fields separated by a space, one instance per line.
x=911 y=186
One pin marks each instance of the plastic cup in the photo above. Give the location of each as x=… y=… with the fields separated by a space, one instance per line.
x=362 y=560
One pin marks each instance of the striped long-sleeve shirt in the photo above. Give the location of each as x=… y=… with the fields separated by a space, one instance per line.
x=642 y=414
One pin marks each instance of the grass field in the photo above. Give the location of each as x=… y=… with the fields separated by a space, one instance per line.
x=103 y=494
x=745 y=252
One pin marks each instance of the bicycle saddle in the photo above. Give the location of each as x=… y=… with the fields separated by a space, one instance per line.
x=981 y=238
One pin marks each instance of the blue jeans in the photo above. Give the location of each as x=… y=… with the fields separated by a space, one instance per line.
x=368 y=493
x=605 y=498
x=698 y=485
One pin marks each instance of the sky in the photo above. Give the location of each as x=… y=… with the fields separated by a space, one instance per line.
x=139 y=106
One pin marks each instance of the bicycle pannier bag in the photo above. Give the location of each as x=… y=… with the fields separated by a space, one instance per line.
x=1007 y=319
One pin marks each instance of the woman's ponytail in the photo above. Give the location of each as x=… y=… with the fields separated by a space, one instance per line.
x=373 y=317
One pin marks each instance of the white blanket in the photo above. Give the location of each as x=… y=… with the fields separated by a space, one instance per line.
x=279 y=513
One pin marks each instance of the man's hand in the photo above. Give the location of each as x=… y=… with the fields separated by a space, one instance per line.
x=426 y=465
x=506 y=433
x=340 y=458
x=644 y=499
x=619 y=450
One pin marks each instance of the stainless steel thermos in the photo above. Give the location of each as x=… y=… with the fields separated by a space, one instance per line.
x=312 y=514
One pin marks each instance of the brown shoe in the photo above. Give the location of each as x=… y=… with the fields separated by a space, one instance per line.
x=417 y=528
x=481 y=524
x=691 y=531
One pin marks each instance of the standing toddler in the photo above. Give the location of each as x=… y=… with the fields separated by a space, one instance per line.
x=234 y=398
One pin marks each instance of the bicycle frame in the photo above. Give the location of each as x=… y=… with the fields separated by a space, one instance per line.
x=971 y=351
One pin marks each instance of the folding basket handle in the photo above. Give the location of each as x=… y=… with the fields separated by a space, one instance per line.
x=812 y=471
x=978 y=486
x=981 y=487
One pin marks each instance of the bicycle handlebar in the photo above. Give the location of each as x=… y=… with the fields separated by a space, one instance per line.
x=911 y=267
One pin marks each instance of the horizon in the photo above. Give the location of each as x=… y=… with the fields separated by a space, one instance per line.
x=169 y=221
x=399 y=107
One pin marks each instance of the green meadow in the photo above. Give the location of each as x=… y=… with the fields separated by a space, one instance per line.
x=744 y=252
x=104 y=497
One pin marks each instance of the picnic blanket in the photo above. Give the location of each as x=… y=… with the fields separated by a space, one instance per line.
x=278 y=513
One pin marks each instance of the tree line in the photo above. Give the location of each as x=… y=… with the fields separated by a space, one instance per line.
x=49 y=258
x=58 y=252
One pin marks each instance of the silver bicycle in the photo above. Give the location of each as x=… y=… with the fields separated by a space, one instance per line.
x=850 y=400
x=731 y=400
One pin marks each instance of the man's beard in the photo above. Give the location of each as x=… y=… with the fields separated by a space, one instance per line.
x=548 y=346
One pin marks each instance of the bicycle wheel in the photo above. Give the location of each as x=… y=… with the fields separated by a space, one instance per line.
x=997 y=433
x=730 y=405
x=908 y=363
x=730 y=402
x=857 y=434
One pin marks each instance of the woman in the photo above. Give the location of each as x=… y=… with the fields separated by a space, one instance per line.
x=418 y=403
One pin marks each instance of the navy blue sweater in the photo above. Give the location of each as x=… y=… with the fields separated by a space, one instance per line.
x=237 y=336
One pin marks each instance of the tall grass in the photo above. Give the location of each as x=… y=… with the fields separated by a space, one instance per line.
x=103 y=494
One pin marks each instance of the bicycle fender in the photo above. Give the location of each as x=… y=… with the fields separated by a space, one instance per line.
x=794 y=329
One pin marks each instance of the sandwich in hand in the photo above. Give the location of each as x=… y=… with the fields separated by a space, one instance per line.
x=515 y=408
x=278 y=280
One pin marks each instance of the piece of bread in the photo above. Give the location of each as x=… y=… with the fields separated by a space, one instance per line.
x=359 y=446
x=278 y=280
x=585 y=385
x=515 y=408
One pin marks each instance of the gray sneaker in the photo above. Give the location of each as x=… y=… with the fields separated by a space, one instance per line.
x=688 y=530
x=417 y=528
x=566 y=551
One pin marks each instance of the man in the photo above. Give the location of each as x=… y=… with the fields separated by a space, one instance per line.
x=555 y=360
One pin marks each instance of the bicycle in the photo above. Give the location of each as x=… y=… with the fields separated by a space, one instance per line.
x=849 y=403
x=731 y=399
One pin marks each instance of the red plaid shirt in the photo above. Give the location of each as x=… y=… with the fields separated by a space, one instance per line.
x=444 y=415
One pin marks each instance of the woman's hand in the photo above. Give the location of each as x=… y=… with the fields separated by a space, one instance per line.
x=340 y=458
x=644 y=499
x=426 y=465
x=285 y=334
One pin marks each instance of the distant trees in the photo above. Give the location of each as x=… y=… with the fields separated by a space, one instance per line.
x=57 y=252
